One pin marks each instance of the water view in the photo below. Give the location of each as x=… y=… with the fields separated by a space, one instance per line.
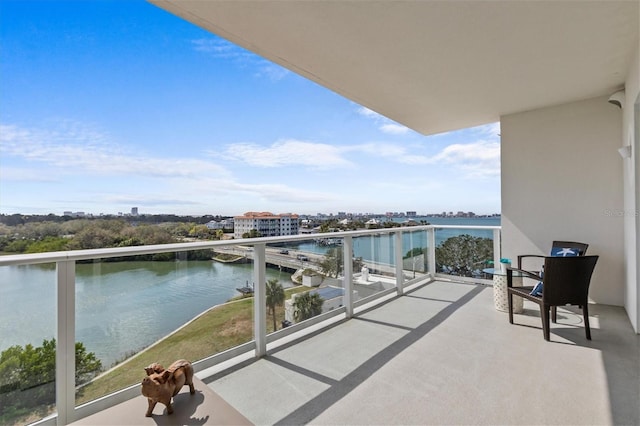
x=122 y=307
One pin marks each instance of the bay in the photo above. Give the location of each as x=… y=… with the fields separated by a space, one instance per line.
x=121 y=307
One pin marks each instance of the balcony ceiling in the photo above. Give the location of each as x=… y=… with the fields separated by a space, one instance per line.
x=436 y=66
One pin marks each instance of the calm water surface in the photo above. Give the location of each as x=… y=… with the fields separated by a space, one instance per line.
x=120 y=306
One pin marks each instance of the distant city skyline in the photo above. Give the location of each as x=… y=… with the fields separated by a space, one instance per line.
x=134 y=212
x=108 y=105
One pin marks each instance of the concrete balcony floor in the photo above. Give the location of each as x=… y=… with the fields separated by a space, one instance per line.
x=439 y=355
x=443 y=355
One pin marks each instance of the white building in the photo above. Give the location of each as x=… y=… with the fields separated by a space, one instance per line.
x=223 y=224
x=266 y=223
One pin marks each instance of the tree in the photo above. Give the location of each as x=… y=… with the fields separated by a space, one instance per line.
x=332 y=263
x=252 y=234
x=275 y=297
x=463 y=254
x=27 y=377
x=307 y=305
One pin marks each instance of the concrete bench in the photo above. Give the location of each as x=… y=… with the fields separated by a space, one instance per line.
x=205 y=407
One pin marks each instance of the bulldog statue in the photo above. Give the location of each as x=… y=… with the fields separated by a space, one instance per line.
x=162 y=385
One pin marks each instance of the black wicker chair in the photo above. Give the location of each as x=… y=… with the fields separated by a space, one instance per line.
x=556 y=246
x=581 y=247
x=566 y=282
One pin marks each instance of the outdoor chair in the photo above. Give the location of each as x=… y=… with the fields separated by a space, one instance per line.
x=558 y=248
x=565 y=282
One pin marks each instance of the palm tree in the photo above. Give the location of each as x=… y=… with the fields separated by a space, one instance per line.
x=275 y=297
x=307 y=305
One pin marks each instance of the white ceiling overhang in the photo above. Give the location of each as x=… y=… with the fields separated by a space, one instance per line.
x=436 y=66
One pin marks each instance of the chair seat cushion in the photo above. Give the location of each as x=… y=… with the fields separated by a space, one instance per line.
x=537 y=289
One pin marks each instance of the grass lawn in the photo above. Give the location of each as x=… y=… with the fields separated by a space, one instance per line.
x=221 y=328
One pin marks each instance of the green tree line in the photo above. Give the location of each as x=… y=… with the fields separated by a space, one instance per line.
x=81 y=234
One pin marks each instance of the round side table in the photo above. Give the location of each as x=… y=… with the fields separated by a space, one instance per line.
x=500 y=290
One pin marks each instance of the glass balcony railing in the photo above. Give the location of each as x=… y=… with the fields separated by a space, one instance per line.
x=119 y=310
x=465 y=252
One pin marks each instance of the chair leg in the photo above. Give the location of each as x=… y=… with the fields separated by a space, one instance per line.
x=510 y=304
x=544 y=313
x=585 y=314
x=554 y=314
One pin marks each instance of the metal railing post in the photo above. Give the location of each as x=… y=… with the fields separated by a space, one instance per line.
x=399 y=265
x=260 y=299
x=497 y=248
x=347 y=283
x=431 y=251
x=65 y=341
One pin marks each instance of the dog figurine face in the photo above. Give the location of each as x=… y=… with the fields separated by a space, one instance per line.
x=162 y=385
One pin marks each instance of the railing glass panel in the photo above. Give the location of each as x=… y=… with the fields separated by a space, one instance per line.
x=374 y=269
x=414 y=254
x=285 y=265
x=463 y=252
x=319 y=268
x=134 y=311
x=27 y=342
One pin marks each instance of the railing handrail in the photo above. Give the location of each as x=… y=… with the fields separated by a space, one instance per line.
x=87 y=254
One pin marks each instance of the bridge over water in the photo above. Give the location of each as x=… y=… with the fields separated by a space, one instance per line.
x=290 y=260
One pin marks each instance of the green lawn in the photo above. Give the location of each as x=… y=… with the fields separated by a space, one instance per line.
x=221 y=328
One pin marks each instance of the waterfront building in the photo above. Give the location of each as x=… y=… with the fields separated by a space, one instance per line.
x=224 y=224
x=266 y=223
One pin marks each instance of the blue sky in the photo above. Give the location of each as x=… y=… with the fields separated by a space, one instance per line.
x=108 y=105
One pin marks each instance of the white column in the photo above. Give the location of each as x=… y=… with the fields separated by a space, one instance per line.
x=431 y=251
x=399 y=266
x=260 y=299
x=65 y=342
x=497 y=250
x=347 y=283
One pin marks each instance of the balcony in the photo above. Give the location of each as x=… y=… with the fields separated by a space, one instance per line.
x=430 y=349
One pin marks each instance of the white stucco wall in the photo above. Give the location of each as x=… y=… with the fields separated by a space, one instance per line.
x=561 y=180
x=631 y=188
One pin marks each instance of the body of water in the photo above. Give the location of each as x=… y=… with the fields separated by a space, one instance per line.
x=120 y=306
x=124 y=306
x=380 y=248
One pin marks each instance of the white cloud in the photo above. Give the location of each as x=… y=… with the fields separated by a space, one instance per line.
x=289 y=152
x=384 y=124
x=478 y=159
x=76 y=149
x=394 y=129
x=25 y=175
x=223 y=49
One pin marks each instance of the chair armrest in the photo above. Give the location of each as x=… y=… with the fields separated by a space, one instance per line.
x=522 y=256
x=524 y=273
